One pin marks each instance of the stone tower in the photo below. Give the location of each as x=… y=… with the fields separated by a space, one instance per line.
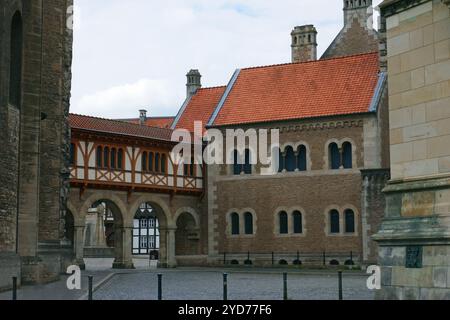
x=194 y=82
x=358 y=35
x=358 y=9
x=35 y=78
x=304 y=44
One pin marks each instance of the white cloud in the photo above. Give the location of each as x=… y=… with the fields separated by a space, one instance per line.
x=120 y=42
x=126 y=100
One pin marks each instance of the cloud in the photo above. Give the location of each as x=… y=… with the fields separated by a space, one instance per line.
x=134 y=53
x=125 y=100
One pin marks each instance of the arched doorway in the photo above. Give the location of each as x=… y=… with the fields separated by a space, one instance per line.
x=187 y=236
x=106 y=235
x=146 y=234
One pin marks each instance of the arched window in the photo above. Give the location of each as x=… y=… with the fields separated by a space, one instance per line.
x=120 y=159
x=163 y=163
x=301 y=158
x=237 y=163
x=151 y=157
x=290 y=162
x=248 y=220
x=106 y=157
x=113 y=158
x=334 y=222
x=15 y=70
x=99 y=155
x=349 y=221
x=283 y=218
x=157 y=162
x=281 y=161
x=248 y=162
x=235 y=224
x=347 y=155
x=72 y=154
x=144 y=161
x=298 y=222
x=335 y=156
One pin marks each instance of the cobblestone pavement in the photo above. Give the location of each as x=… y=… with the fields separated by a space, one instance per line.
x=251 y=285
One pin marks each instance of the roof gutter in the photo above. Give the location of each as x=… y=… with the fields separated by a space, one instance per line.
x=378 y=92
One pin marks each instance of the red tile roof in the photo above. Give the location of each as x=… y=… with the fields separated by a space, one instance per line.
x=118 y=127
x=159 y=122
x=302 y=90
x=200 y=108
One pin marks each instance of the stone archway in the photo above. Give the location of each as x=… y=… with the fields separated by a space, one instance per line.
x=166 y=228
x=122 y=231
x=187 y=237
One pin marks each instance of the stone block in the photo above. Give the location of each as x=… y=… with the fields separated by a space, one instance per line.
x=420 y=132
x=396 y=136
x=437 y=72
x=400 y=118
x=434 y=294
x=438 y=147
x=420 y=150
x=442 y=30
x=438 y=109
x=416 y=38
x=400 y=82
x=417 y=58
x=442 y=50
x=418 y=78
x=410 y=293
x=386 y=276
x=440 y=277
x=401 y=153
x=418 y=204
x=392 y=257
x=444 y=167
x=399 y=44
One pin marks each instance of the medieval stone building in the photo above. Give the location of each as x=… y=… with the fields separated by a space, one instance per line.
x=35 y=60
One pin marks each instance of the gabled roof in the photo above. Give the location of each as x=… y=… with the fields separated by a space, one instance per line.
x=159 y=122
x=101 y=125
x=199 y=108
x=320 y=88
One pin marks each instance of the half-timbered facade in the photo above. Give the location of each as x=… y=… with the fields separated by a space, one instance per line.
x=130 y=161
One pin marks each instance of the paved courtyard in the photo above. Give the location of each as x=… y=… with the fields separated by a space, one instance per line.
x=201 y=284
x=207 y=285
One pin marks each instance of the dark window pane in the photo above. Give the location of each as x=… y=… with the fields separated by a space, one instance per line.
x=120 y=159
x=157 y=162
x=248 y=217
x=237 y=167
x=284 y=223
x=106 y=157
x=247 y=165
x=144 y=161
x=298 y=223
x=349 y=221
x=15 y=72
x=99 y=157
x=150 y=161
x=281 y=159
x=335 y=157
x=302 y=162
x=290 y=160
x=347 y=155
x=72 y=154
x=334 y=222
x=113 y=158
x=235 y=224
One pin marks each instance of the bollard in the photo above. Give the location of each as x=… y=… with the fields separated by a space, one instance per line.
x=224 y=258
x=91 y=295
x=324 y=258
x=341 y=297
x=160 y=286
x=351 y=257
x=225 y=287
x=273 y=258
x=14 y=292
x=285 y=291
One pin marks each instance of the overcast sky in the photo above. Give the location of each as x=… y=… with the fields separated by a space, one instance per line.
x=135 y=54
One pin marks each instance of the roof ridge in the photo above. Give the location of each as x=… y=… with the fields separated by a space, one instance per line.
x=119 y=121
x=311 y=62
x=210 y=88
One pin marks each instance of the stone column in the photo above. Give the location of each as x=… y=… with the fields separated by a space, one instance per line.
x=171 y=260
x=79 y=246
x=125 y=260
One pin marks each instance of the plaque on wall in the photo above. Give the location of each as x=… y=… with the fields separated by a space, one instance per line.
x=414 y=256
